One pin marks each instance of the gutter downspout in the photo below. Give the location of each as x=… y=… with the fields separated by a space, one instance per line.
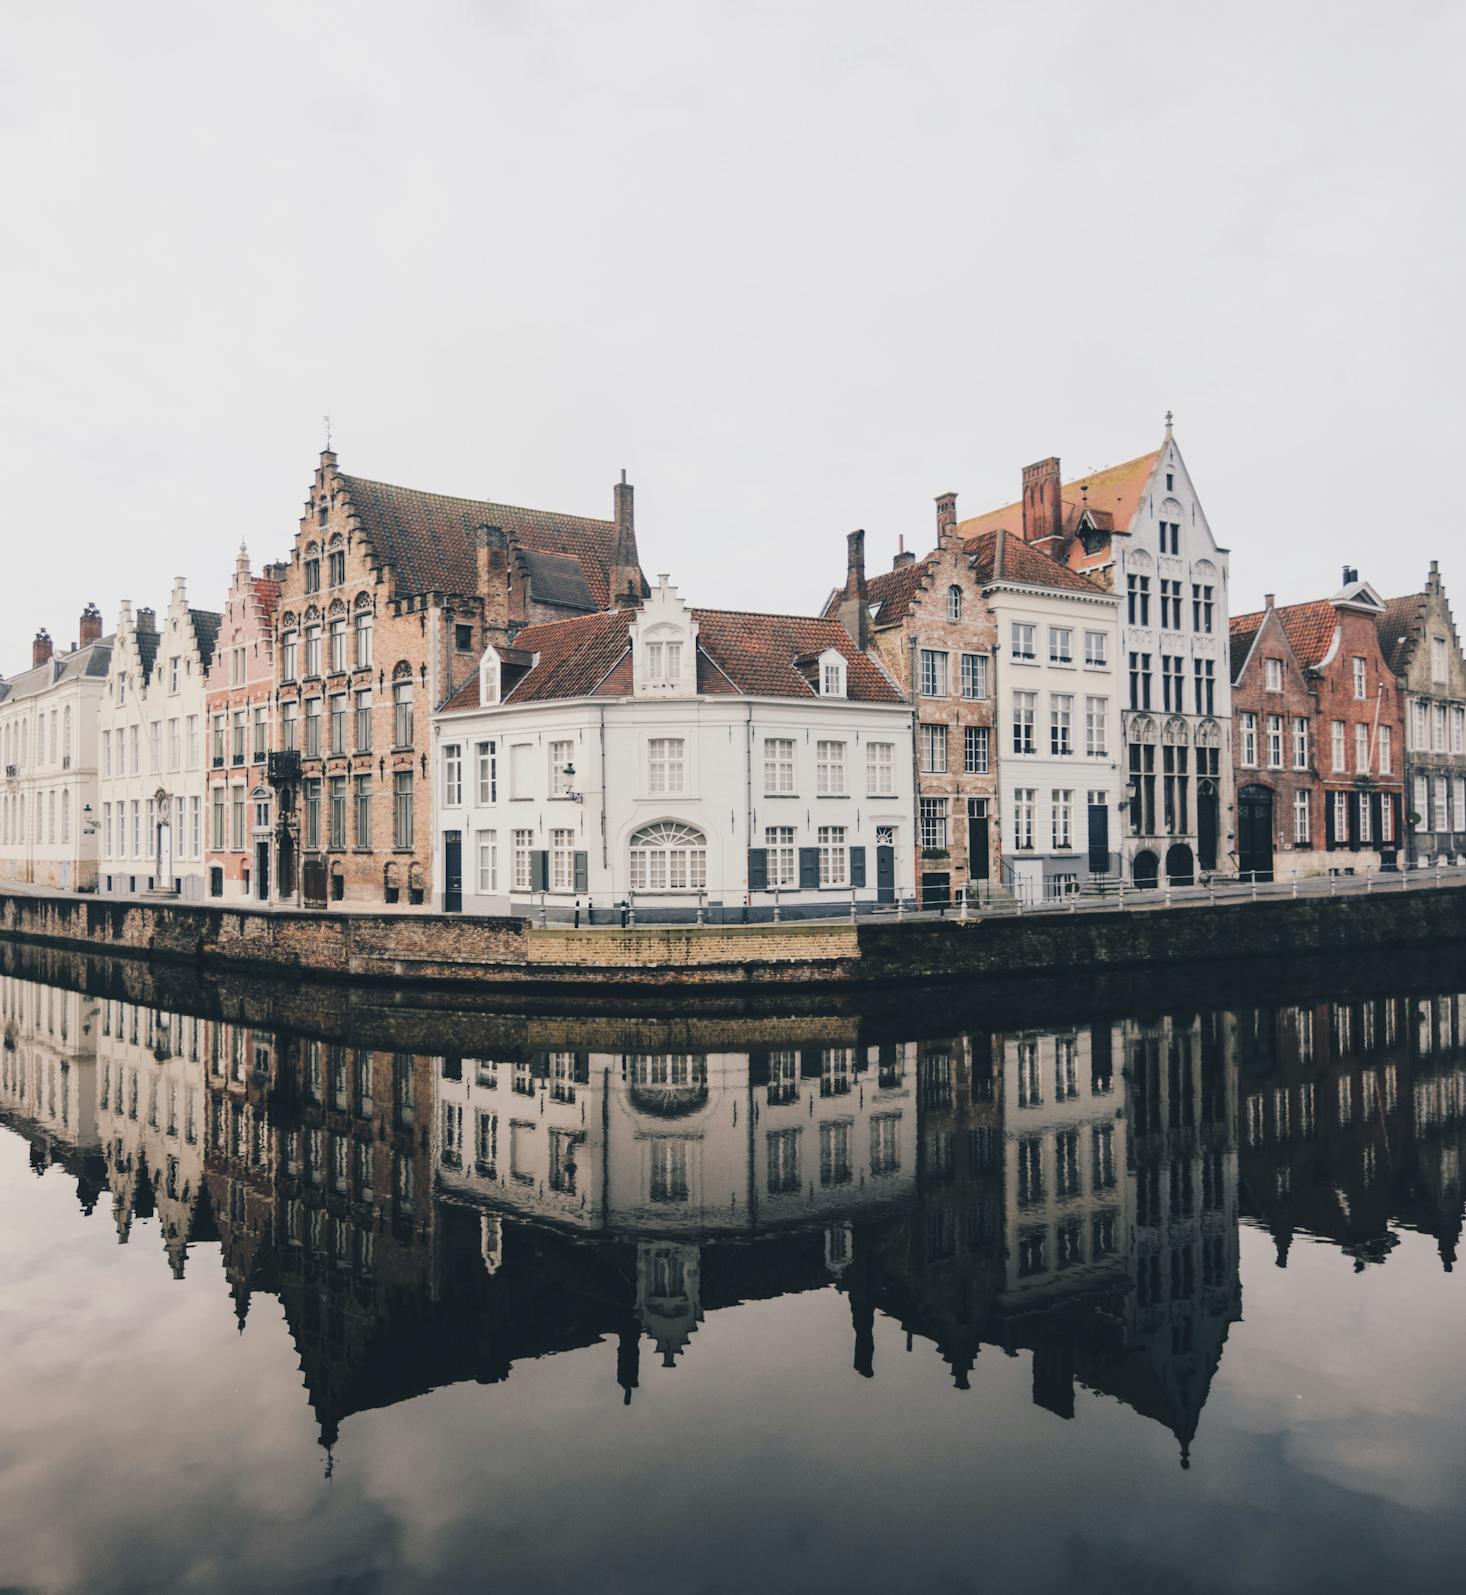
x=605 y=854
x=916 y=844
x=747 y=805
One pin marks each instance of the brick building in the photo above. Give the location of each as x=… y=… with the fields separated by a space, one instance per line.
x=386 y=604
x=238 y=700
x=1420 y=641
x=1319 y=737
x=928 y=623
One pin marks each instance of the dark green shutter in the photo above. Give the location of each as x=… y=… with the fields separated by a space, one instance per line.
x=1329 y=839
x=857 y=866
x=809 y=867
x=582 y=872
x=758 y=869
x=539 y=870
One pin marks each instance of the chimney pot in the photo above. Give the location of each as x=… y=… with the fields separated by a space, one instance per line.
x=855 y=601
x=1267 y=600
x=147 y=620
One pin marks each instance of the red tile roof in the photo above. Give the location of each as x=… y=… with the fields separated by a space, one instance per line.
x=1397 y=629
x=1001 y=556
x=1309 y=627
x=429 y=538
x=738 y=654
x=267 y=595
x=1116 y=491
x=1243 y=629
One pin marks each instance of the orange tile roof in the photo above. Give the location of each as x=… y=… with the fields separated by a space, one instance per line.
x=889 y=595
x=1021 y=562
x=1309 y=628
x=1115 y=491
x=1244 y=628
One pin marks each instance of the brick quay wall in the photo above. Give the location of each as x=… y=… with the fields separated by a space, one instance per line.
x=506 y=953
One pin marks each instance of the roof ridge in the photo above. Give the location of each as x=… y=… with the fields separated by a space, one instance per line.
x=458 y=498
x=769 y=614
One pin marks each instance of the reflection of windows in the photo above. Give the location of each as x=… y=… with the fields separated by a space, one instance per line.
x=1030 y=1088
x=783 y=1161
x=1102 y=1235
x=783 y=1077
x=885 y=1145
x=1066 y=1163
x=562 y=1160
x=1104 y=1156
x=835 y=1071
x=835 y=1152
x=486 y=1143
x=667 y=1168
x=1032 y=1253
x=1030 y=1170
x=452 y=1144
x=521 y=1152
x=1069 y=1240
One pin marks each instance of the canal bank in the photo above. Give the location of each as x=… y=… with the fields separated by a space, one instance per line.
x=451 y=950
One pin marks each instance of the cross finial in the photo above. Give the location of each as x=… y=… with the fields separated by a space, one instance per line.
x=1168 y=420
x=328 y=434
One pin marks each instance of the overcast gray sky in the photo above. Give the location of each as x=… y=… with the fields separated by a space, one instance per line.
x=798 y=267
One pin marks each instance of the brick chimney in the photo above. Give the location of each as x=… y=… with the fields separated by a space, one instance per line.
x=903 y=557
x=626 y=582
x=89 y=627
x=1043 y=509
x=147 y=620
x=1267 y=600
x=41 y=649
x=855 y=601
x=491 y=546
x=946 y=517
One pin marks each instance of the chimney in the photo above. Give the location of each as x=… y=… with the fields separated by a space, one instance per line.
x=1267 y=600
x=902 y=556
x=1043 y=509
x=146 y=620
x=946 y=517
x=89 y=628
x=41 y=648
x=855 y=601
x=626 y=584
x=1350 y=575
x=277 y=572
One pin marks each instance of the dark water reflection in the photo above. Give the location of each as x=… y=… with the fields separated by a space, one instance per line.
x=801 y=1303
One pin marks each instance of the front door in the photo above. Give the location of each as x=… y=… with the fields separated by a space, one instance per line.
x=165 y=854
x=1099 y=835
x=1255 y=833
x=977 y=838
x=885 y=873
x=262 y=871
x=452 y=872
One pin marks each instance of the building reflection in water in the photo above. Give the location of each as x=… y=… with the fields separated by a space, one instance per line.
x=1073 y=1192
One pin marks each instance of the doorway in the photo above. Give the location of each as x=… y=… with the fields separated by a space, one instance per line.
x=885 y=873
x=262 y=871
x=452 y=872
x=977 y=839
x=1255 y=833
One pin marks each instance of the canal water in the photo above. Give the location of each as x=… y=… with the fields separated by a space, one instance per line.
x=1085 y=1289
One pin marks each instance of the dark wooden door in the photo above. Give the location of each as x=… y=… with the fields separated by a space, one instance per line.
x=262 y=871
x=1099 y=839
x=1255 y=833
x=452 y=872
x=885 y=874
x=977 y=846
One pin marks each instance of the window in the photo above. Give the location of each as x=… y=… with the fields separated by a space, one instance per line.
x=1442 y=805
x=933 y=750
x=488 y=772
x=1096 y=649
x=175 y=745
x=1438 y=660
x=1341 y=818
x=668 y=857
x=261 y=741
x=782 y=863
x=1459 y=785
x=1096 y=727
x=1062 y=812
x=1249 y=739
x=834 y=859
x=832 y=679
x=1337 y=748
x=523 y=861
x=216 y=819
x=562 y=860
x=363 y=639
x=954 y=603
x=1273 y=674
x=1171 y=604
x=311 y=799
x=287 y=655
x=452 y=776
x=976 y=753
x=312 y=728
x=1302 y=824
x=1417 y=724
x=1300 y=743
x=829 y=768
x=933 y=816
x=289 y=713
x=1365 y=829
x=402 y=714
x=1361 y=748
x=336 y=566
x=1061 y=723
x=1275 y=741
x=1361 y=682
x=1171 y=667
x=880 y=768
x=1139 y=681
x=487 y=854
x=363 y=715
x=1025 y=709
x=106 y=753
x=778 y=765
x=1458 y=731
x=933 y=673
x=1387 y=819
x=1137 y=598
x=402 y=808
x=1023 y=805
x=974 y=676
x=336 y=814
x=1024 y=644
x=313 y=650
x=666 y=767
x=1201 y=607
x=338 y=722
x=1422 y=799
x=1061 y=645
x=313 y=573
x=1438 y=728
x=106 y=830
x=337 y=646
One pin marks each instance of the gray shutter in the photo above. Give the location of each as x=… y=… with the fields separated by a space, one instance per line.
x=809 y=867
x=582 y=872
x=857 y=866
x=539 y=870
x=758 y=869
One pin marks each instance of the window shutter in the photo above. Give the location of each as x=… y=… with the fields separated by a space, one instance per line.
x=758 y=869
x=1330 y=840
x=582 y=872
x=1377 y=801
x=539 y=870
x=809 y=867
x=1356 y=818
x=857 y=866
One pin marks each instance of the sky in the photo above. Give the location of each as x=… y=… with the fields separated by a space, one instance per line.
x=797 y=268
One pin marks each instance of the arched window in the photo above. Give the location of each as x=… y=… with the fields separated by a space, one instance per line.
x=668 y=857
x=66 y=734
x=954 y=602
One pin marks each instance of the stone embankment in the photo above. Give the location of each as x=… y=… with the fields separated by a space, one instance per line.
x=449 y=949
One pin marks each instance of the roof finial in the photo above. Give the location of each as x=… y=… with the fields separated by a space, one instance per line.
x=1168 y=423
x=328 y=434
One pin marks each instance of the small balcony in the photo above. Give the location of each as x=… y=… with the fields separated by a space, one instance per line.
x=284 y=768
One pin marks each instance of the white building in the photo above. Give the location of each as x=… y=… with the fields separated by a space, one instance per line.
x=674 y=759
x=48 y=757
x=151 y=733
x=1060 y=780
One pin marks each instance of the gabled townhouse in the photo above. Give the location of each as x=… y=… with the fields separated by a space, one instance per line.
x=1139 y=530
x=386 y=604
x=1421 y=643
x=239 y=704
x=1352 y=819
x=1061 y=783
x=669 y=760
x=928 y=623
x=151 y=732
x=48 y=761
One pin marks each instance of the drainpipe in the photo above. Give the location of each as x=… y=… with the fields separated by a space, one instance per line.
x=605 y=854
x=747 y=803
x=913 y=681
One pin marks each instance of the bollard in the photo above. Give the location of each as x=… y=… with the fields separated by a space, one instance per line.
x=699 y=906
x=778 y=912
x=852 y=906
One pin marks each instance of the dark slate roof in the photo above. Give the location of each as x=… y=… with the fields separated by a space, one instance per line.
x=206 y=628
x=146 y=643
x=1398 y=629
x=558 y=579
x=738 y=654
x=429 y=538
x=1000 y=556
x=90 y=660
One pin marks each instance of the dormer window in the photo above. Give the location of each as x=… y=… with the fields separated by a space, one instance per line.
x=488 y=681
x=832 y=674
x=954 y=602
x=663 y=661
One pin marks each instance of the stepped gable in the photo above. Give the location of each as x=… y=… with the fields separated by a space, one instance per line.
x=1115 y=492
x=429 y=538
x=1001 y=555
x=889 y=595
x=206 y=625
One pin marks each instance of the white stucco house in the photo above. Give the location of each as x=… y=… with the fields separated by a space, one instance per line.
x=664 y=761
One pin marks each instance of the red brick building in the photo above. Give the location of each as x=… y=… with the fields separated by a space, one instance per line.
x=238 y=702
x=387 y=601
x=1318 y=744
